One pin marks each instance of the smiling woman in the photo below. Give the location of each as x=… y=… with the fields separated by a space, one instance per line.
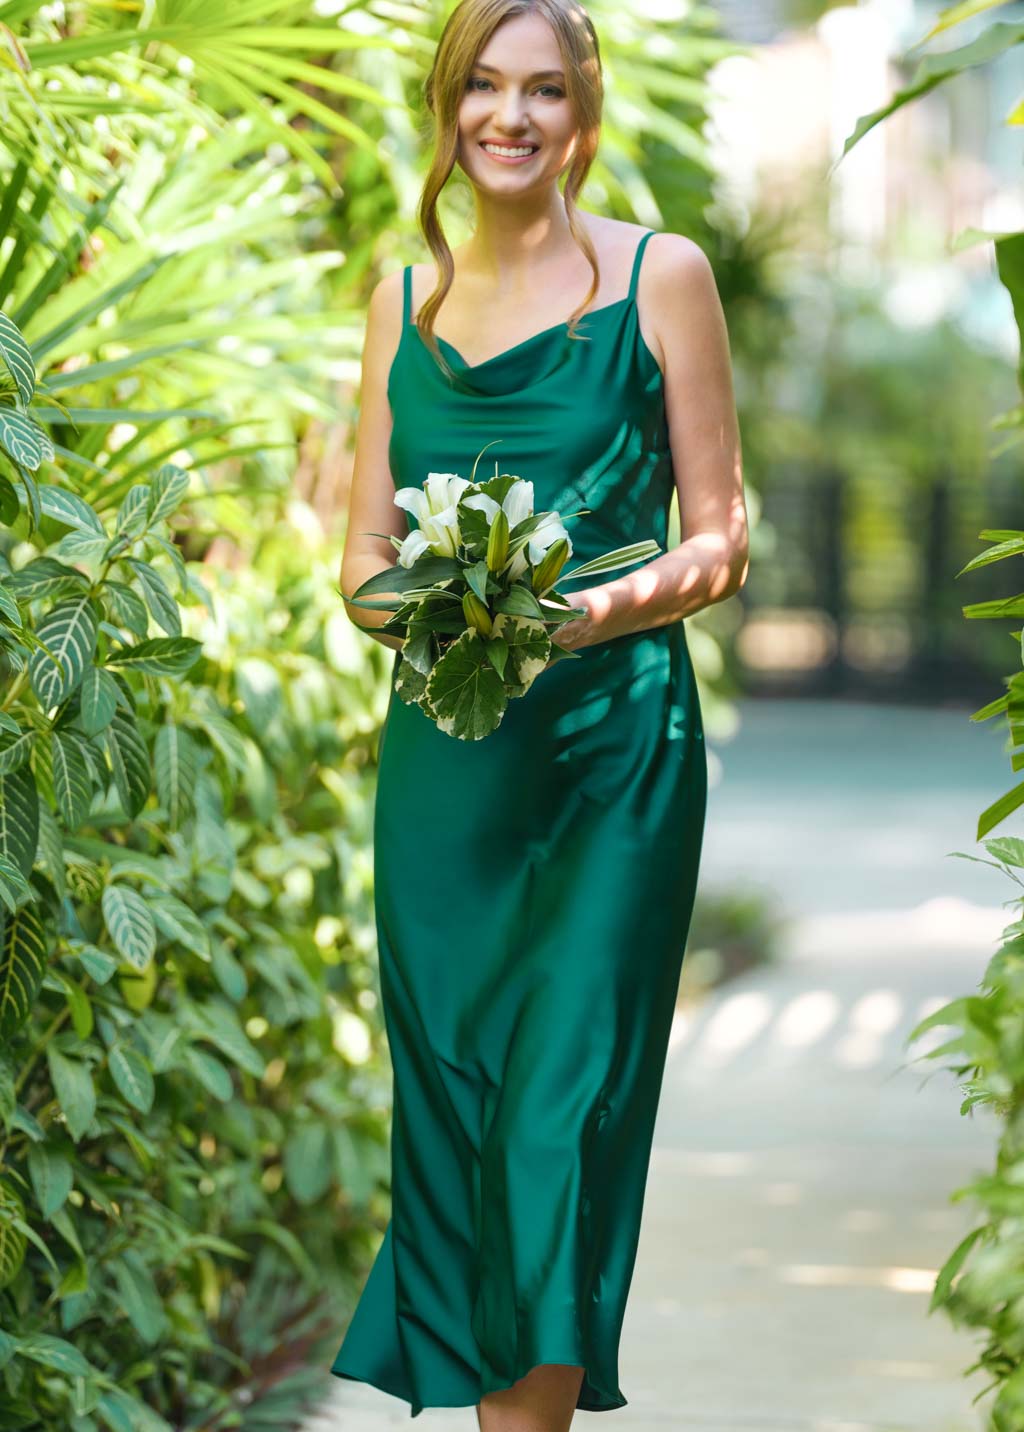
x=534 y=890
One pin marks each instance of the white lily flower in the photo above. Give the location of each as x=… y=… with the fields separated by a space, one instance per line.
x=444 y=489
x=480 y=502
x=412 y=547
x=441 y=529
x=547 y=534
x=518 y=501
x=434 y=507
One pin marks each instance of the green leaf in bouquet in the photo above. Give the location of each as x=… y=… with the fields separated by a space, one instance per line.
x=410 y=683
x=425 y=572
x=561 y=653
x=439 y=611
x=478 y=575
x=554 y=599
x=474 y=528
x=465 y=691
x=497 y=653
x=419 y=651
x=520 y=602
x=476 y=460
x=529 y=647
x=386 y=604
x=610 y=561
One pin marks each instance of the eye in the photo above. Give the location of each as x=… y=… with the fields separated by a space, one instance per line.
x=553 y=90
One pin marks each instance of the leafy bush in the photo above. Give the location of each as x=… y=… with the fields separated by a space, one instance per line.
x=190 y=1084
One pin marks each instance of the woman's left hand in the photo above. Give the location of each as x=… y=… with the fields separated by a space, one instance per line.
x=580 y=631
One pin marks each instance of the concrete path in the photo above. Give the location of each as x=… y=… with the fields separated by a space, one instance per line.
x=798 y=1203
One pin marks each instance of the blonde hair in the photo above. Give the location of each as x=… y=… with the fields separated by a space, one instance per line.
x=468 y=28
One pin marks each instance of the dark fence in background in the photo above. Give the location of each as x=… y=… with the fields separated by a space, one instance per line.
x=854 y=591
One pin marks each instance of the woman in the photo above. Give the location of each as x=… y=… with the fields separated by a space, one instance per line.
x=534 y=889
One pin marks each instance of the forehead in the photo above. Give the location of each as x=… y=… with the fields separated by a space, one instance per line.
x=523 y=44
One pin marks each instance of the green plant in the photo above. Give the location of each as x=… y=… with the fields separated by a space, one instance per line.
x=177 y=829
x=980 y=1283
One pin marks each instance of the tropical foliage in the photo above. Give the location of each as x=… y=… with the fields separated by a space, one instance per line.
x=978 y=1286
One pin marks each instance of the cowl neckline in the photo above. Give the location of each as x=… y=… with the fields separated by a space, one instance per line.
x=530 y=361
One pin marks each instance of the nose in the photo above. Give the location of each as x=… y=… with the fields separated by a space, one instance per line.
x=510 y=111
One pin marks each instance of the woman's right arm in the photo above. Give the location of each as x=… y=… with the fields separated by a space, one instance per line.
x=371 y=499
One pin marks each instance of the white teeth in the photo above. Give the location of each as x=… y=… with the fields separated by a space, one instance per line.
x=509 y=153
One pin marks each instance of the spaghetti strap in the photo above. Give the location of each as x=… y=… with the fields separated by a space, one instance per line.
x=406 y=296
x=636 y=263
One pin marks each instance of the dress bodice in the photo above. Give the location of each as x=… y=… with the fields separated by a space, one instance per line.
x=582 y=418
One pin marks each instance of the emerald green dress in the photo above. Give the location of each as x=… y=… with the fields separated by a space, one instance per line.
x=533 y=894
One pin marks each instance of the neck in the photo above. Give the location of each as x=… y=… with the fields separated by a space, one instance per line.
x=512 y=241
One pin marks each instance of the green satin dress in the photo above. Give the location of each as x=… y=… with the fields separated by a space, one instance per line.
x=533 y=894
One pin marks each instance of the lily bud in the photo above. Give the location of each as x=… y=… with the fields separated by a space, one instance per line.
x=546 y=574
x=497 y=542
x=476 y=613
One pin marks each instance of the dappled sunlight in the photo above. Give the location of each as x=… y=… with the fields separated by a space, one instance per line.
x=807 y=1018
x=870 y=1029
x=738 y=1020
x=849 y=1275
x=872 y=1016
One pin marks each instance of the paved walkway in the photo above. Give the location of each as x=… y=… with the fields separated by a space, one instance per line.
x=798 y=1202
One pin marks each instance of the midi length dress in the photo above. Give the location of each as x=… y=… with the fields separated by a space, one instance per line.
x=533 y=895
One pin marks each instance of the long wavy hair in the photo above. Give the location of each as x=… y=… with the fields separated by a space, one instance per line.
x=467 y=30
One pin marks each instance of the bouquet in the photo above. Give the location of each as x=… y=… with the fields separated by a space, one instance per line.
x=475 y=596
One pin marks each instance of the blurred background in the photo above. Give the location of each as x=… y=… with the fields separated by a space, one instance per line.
x=195 y=203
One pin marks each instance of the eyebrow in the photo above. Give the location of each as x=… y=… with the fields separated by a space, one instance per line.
x=537 y=74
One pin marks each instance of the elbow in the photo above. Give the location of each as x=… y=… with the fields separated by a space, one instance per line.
x=737 y=566
x=740 y=567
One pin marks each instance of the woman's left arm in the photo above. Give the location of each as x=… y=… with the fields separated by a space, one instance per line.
x=689 y=340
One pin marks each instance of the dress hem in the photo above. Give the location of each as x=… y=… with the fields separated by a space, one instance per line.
x=416 y=1408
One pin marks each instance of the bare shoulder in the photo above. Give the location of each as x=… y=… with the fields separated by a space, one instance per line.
x=384 y=312
x=681 y=314
x=673 y=261
x=383 y=327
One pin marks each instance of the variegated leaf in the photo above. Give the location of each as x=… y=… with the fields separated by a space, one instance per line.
x=176 y=765
x=129 y=761
x=14 y=753
x=167 y=489
x=50 y=848
x=69 y=635
x=130 y=924
x=24 y=440
x=161 y=656
x=97 y=699
x=163 y=606
x=45 y=577
x=132 y=514
x=69 y=508
x=72 y=784
x=22 y=967
x=19 y=819
x=12 y=1239
x=17 y=359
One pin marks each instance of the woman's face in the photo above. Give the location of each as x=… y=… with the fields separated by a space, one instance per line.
x=516 y=97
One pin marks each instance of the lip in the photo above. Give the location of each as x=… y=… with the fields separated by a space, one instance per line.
x=507 y=144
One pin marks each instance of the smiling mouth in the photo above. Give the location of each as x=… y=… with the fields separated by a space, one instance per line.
x=516 y=150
